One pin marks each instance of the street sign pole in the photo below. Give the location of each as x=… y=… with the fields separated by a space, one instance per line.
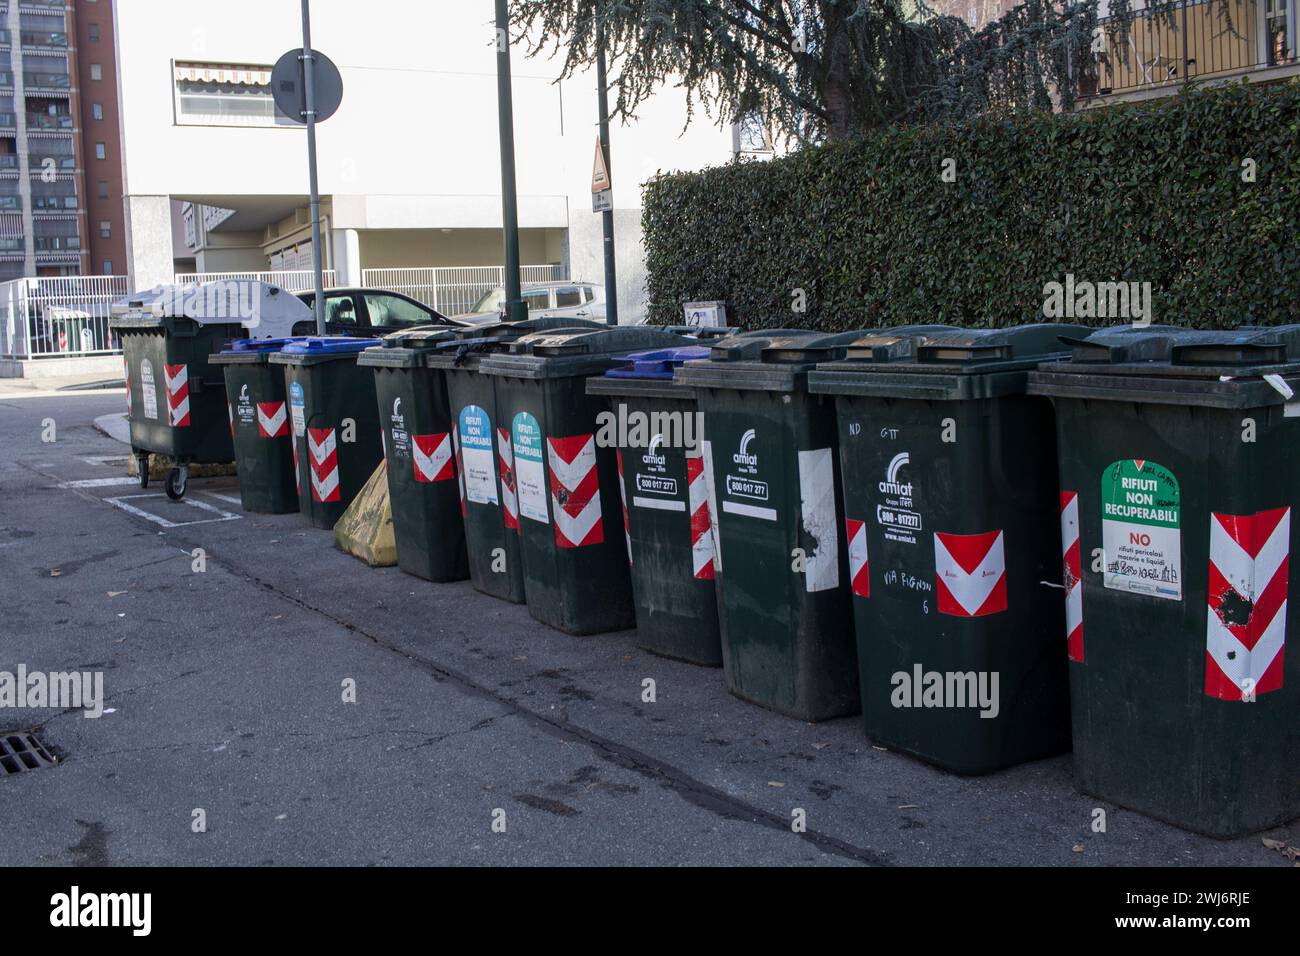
x=514 y=304
x=607 y=216
x=309 y=96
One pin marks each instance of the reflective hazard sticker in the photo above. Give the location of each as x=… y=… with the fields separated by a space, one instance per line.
x=971 y=570
x=1072 y=574
x=1246 y=618
x=1140 y=535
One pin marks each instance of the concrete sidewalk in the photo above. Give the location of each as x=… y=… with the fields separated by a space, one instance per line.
x=51 y=385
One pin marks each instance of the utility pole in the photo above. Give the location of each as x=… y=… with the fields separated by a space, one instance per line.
x=309 y=95
x=514 y=304
x=607 y=217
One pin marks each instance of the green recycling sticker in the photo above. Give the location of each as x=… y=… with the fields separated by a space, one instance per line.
x=1141 y=538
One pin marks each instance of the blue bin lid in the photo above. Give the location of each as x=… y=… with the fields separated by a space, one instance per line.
x=656 y=363
x=328 y=345
x=261 y=345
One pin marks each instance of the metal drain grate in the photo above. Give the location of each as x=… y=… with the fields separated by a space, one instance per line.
x=19 y=752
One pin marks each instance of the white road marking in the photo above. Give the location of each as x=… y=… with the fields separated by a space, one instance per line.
x=121 y=502
x=99 y=483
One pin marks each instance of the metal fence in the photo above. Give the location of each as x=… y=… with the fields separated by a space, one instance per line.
x=58 y=316
x=453 y=289
x=1199 y=40
x=299 y=280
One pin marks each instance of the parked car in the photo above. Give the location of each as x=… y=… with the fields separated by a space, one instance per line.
x=370 y=312
x=569 y=299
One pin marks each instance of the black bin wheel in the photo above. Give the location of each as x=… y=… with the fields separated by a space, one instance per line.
x=177 y=479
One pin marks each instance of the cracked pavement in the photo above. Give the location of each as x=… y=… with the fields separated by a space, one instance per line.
x=225 y=695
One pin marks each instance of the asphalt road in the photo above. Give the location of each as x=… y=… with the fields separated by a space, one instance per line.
x=225 y=690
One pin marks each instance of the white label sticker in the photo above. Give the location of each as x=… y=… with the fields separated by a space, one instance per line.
x=477 y=456
x=148 y=390
x=297 y=407
x=1141 y=538
x=530 y=473
x=817 y=505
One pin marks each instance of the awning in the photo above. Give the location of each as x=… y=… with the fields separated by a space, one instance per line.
x=11 y=227
x=224 y=73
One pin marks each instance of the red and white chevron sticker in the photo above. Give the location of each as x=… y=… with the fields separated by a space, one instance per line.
x=971 y=570
x=460 y=470
x=858 y=568
x=297 y=478
x=1071 y=559
x=1246 y=622
x=230 y=413
x=433 y=457
x=126 y=370
x=622 y=493
x=575 y=491
x=324 y=461
x=506 y=466
x=697 y=492
x=272 y=419
x=177 y=378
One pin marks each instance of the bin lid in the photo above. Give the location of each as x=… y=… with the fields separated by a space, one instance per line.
x=266 y=310
x=942 y=363
x=470 y=344
x=764 y=359
x=1246 y=367
x=656 y=363
x=564 y=353
x=648 y=374
x=250 y=351
x=407 y=348
x=322 y=348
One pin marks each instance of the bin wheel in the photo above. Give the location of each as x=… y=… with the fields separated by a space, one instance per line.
x=142 y=469
x=177 y=478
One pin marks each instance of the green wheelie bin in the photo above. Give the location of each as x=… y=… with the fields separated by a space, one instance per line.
x=259 y=425
x=665 y=504
x=570 y=511
x=489 y=500
x=950 y=514
x=334 y=421
x=1178 y=476
x=787 y=626
x=422 y=470
x=175 y=397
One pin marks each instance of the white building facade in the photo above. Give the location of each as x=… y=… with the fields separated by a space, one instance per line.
x=409 y=165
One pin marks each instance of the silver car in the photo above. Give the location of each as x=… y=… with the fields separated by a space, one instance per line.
x=566 y=299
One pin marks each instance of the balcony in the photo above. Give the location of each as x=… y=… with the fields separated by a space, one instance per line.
x=55 y=121
x=47 y=81
x=1198 y=43
x=39 y=38
x=11 y=204
x=8 y=161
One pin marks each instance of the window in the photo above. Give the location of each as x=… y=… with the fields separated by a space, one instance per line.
x=97 y=110
x=216 y=94
x=567 y=298
x=537 y=300
x=588 y=293
x=393 y=310
x=105 y=229
x=100 y=151
x=340 y=309
x=103 y=189
x=96 y=71
x=93 y=32
x=108 y=267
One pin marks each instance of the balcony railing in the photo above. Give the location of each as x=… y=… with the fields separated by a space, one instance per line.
x=1199 y=41
x=41 y=38
x=47 y=81
x=8 y=161
x=48 y=121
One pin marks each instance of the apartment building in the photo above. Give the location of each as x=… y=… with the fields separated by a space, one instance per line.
x=409 y=165
x=60 y=153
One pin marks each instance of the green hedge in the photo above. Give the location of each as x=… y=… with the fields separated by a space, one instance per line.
x=867 y=229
